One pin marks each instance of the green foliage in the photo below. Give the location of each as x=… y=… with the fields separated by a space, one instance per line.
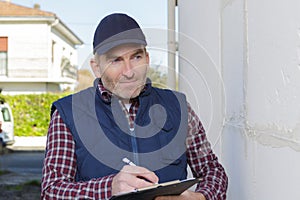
x=32 y=112
x=158 y=79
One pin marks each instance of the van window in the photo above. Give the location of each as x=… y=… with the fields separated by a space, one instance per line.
x=5 y=114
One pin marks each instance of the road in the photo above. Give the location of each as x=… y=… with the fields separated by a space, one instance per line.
x=25 y=169
x=22 y=162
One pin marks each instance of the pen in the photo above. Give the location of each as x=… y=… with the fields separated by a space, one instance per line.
x=127 y=161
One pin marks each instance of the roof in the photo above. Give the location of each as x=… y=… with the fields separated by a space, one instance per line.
x=8 y=9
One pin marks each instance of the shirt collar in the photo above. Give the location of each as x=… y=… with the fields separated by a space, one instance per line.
x=106 y=95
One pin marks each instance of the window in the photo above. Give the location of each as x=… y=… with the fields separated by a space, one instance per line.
x=6 y=115
x=3 y=56
x=52 y=50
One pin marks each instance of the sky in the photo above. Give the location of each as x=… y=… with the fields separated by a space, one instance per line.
x=82 y=17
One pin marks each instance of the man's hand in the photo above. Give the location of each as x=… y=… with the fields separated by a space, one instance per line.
x=132 y=177
x=187 y=195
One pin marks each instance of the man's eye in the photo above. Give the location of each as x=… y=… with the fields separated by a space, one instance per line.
x=138 y=57
x=115 y=61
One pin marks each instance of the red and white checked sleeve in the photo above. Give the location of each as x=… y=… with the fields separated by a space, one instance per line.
x=58 y=181
x=203 y=162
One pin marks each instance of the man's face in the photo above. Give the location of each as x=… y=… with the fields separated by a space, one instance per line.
x=123 y=70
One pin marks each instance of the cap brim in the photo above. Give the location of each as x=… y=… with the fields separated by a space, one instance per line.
x=103 y=48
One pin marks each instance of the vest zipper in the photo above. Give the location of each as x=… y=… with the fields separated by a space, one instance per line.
x=134 y=146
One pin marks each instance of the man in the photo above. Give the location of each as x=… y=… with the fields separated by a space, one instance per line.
x=123 y=116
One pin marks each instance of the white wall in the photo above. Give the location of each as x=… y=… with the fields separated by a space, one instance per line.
x=62 y=48
x=27 y=49
x=199 y=63
x=30 y=50
x=256 y=47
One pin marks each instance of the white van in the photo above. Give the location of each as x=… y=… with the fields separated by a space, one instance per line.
x=7 y=125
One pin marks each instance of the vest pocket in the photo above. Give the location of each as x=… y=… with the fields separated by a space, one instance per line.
x=171 y=153
x=175 y=168
x=172 y=158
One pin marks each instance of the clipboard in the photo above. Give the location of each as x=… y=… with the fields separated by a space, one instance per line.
x=161 y=189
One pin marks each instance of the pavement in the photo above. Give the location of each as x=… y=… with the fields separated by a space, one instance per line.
x=37 y=143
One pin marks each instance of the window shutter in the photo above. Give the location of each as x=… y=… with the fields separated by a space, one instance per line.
x=3 y=44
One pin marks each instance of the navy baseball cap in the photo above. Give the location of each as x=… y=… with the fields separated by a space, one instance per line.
x=117 y=29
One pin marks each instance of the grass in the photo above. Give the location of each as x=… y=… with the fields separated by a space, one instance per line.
x=22 y=185
x=2 y=172
x=33 y=183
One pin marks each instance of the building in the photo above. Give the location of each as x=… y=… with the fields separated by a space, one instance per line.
x=239 y=66
x=37 y=51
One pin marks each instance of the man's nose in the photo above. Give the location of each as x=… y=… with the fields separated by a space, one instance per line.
x=127 y=69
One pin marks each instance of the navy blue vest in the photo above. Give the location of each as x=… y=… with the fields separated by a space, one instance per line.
x=103 y=137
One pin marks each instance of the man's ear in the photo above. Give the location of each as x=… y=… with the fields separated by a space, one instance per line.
x=95 y=67
x=147 y=60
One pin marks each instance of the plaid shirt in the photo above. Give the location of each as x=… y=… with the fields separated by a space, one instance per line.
x=60 y=166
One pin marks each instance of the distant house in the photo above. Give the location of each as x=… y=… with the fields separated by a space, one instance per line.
x=37 y=51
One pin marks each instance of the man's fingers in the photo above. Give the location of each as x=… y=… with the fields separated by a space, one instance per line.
x=141 y=172
x=132 y=177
